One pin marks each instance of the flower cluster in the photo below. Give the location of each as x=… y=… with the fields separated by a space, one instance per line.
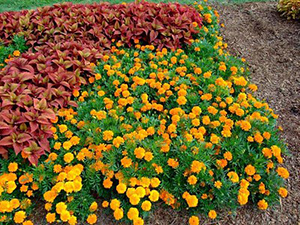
x=177 y=126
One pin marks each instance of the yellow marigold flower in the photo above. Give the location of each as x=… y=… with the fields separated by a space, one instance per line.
x=154 y=196
x=192 y=201
x=146 y=205
x=65 y=215
x=282 y=192
x=276 y=151
x=173 y=163
x=148 y=156
x=214 y=139
x=139 y=152
x=134 y=199
x=205 y=120
x=133 y=213
x=49 y=196
x=62 y=128
x=118 y=214
x=10 y=186
x=16 y=53
x=258 y=138
x=218 y=184
x=118 y=141
x=105 y=204
x=108 y=135
x=233 y=177
x=197 y=166
x=126 y=162
x=227 y=155
x=138 y=221
x=262 y=204
x=61 y=206
x=92 y=219
x=283 y=172
x=250 y=170
x=50 y=217
x=27 y=222
x=19 y=216
x=181 y=100
x=107 y=183
x=212 y=214
x=245 y=125
x=192 y=180
x=57 y=145
x=194 y=220
x=121 y=188
x=68 y=157
x=155 y=182
x=114 y=204
x=13 y=167
x=67 y=145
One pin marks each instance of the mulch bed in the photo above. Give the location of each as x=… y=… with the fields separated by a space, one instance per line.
x=271 y=46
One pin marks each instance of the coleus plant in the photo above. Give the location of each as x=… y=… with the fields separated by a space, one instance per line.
x=65 y=40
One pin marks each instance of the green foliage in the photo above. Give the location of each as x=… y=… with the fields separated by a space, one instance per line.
x=289 y=8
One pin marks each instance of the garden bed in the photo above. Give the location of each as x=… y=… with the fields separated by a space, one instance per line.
x=278 y=85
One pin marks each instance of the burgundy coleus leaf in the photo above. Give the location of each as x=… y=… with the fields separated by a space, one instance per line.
x=40 y=105
x=49 y=114
x=6 y=141
x=153 y=35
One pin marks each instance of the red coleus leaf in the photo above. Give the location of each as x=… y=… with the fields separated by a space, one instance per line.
x=6 y=141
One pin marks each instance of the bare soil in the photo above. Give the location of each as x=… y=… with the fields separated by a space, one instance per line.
x=271 y=46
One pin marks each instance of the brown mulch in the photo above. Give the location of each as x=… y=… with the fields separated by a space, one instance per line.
x=271 y=46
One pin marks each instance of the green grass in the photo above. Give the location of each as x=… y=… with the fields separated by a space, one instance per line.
x=15 y=5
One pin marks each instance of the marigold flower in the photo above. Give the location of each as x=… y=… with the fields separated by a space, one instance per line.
x=68 y=157
x=107 y=183
x=282 y=192
x=108 y=135
x=192 y=180
x=139 y=152
x=262 y=204
x=192 y=201
x=118 y=214
x=92 y=219
x=133 y=213
x=283 y=172
x=13 y=167
x=218 y=184
x=154 y=196
x=194 y=220
x=212 y=214
x=250 y=170
x=51 y=217
x=19 y=216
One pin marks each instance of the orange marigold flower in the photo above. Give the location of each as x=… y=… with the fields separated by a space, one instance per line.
x=282 y=192
x=262 y=204
x=13 y=167
x=139 y=152
x=133 y=213
x=92 y=219
x=20 y=216
x=283 y=172
x=250 y=170
x=212 y=214
x=194 y=220
x=50 y=217
x=68 y=157
x=192 y=180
